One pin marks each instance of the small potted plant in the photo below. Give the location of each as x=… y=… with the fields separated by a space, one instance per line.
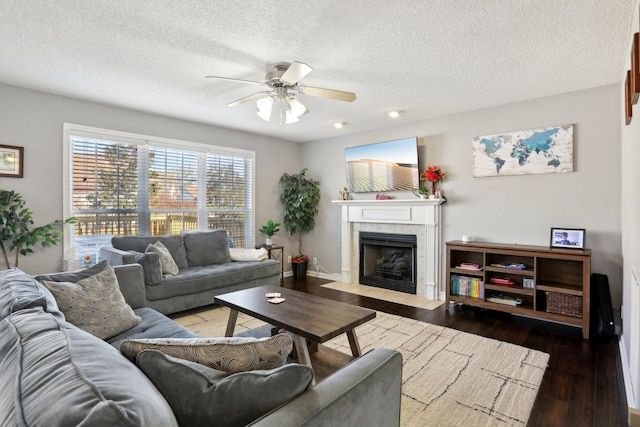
x=269 y=230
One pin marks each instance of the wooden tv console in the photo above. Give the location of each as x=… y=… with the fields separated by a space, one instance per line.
x=534 y=281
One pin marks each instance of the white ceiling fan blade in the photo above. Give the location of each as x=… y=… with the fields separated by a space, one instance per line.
x=250 y=82
x=295 y=72
x=328 y=93
x=248 y=98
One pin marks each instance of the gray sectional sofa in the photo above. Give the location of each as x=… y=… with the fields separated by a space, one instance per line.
x=205 y=268
x=54 y=374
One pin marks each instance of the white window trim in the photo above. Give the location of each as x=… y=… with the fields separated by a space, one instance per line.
x=70 y=129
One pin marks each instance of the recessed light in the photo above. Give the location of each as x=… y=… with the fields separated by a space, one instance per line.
x=339 y=125
x=394 y=114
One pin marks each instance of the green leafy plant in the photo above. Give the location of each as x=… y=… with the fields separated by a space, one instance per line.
x=270 y=228
x=300 y=197
x=17 y=233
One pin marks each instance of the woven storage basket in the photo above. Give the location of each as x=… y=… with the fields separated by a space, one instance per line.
x=569 y=305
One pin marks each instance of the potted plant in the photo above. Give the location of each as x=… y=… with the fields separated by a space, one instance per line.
x=269 y=230
x=300 y=197
x=16 y=232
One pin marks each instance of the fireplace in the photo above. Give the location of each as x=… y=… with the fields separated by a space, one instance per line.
x=416 y=217
x=388 y=261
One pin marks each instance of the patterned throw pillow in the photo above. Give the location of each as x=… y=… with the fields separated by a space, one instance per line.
x=169 y=266
x=95 y=304
x=231 y=355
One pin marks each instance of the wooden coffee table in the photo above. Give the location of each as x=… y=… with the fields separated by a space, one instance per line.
x=305 y=316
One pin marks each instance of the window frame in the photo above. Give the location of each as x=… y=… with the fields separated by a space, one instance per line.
x=74 y=130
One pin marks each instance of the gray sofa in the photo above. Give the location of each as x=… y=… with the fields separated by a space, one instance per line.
x=205 y=269
x=55 y=374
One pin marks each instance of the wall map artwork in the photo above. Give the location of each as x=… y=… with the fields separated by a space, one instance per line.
x=548 y=150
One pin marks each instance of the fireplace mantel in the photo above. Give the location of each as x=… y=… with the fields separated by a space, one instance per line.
x=408 y=216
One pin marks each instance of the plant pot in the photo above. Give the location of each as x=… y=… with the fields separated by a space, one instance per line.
x=299 y=270
x=268 y=241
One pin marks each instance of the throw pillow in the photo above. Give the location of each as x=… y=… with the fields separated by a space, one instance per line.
x=206 y=247
x=169 y=266
x=151 y=266
x=201 y=396
x=231 y=354
x=95 y=304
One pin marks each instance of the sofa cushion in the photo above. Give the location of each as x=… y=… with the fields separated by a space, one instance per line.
x=201 y=396
x=18 y=291
x=54 y=374
x=152 y=325
x=169 y=266
x=206 y=247
x=95 y=304
x=216 y=276
x=139 y=244
x=224 y=354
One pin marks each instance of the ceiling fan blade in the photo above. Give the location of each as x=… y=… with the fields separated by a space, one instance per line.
x=248 y=98
x=295 y=72
x=327 y=93
x=251 y=82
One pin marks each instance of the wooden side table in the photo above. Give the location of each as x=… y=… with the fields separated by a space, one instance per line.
x=275 y=252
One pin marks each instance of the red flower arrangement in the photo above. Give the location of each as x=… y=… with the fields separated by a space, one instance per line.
x=299 y=259
x=433 y=174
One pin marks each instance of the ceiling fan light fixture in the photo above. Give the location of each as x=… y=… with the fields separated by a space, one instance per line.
x=297 y=107
x=265 y=107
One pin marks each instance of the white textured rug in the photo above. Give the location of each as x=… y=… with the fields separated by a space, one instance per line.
x=450 y=378
x=384 y=294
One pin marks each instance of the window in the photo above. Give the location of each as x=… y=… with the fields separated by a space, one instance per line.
x=124 y=184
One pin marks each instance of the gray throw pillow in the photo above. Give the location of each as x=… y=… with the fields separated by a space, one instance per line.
x=73 y=276
x=201 y=396
x=151 y=267
x=95 y=304
x=206 y=247
x=169 y=266
x=232 y=354
x=18 y=291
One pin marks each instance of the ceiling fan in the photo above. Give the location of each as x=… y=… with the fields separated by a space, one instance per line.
x=283 y=80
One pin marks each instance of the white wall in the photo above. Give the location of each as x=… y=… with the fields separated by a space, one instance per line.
x=508 y=209
x=630 y=340
x=34 y=121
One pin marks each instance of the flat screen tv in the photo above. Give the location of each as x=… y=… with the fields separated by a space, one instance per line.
x=385 y=166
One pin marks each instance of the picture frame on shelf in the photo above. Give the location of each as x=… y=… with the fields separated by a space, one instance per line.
x=567 y=238
x=11 y=161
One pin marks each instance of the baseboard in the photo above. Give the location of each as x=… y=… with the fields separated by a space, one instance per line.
x=327 y=276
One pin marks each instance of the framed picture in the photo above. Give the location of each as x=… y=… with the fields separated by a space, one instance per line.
x=628 y=106
x=11 y=161
x=567 y=238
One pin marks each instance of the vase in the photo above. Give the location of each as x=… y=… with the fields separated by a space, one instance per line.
x=433 y=188
x=268 y=241
x=299 y=270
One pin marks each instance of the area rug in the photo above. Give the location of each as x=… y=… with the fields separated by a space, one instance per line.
x=450 y=378
x=384 y=294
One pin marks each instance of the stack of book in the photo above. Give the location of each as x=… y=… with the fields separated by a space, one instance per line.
x=467 y=286
x=469 y=266
x=505 y=299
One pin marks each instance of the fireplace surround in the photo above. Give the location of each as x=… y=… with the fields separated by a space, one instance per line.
x=417 y=217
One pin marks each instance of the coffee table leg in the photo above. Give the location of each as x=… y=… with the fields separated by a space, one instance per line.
x=303 y=353
x=231 y=323
x=353 y=342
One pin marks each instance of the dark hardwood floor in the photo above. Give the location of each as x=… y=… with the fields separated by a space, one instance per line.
x=583 y=384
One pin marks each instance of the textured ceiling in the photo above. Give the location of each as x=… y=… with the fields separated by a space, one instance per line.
x=426 y=58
